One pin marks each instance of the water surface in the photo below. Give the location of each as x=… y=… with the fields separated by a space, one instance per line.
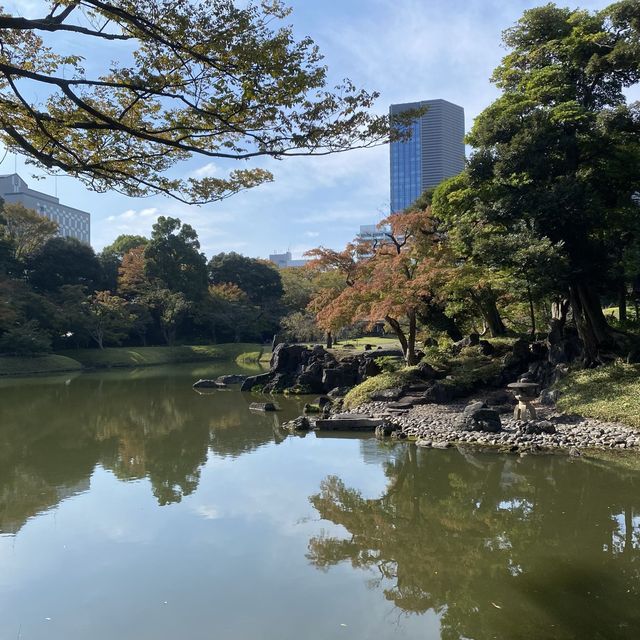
x=132 y=508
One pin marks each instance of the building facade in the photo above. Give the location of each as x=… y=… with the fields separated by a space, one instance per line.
x=433 y=153
x=283 y=260
x=72 y=223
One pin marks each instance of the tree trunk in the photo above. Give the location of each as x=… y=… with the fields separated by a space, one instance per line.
x=397 y=329
x=486 y=302
x=329 y=340
x=594 y=331
x=411 y=342
x=555 y=339
x=532 y=313
x=622 y=301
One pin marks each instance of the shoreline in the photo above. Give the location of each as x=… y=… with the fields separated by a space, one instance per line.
x=436 y=426
x=87 y=360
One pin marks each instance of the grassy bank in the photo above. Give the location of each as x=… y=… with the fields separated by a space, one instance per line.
x=610 y=393
x=12 y=366
x=147 y=356
x=76 y=359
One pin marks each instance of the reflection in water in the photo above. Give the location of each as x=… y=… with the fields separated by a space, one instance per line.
x=52 y=436
x=193 y=500
x=498 y=547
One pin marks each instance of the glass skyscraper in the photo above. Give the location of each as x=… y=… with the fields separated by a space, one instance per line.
x=434 y=152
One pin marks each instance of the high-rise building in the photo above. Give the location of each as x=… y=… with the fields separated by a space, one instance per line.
x=434 y=152
x=72 y=223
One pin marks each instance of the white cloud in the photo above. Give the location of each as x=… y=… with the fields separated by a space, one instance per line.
x=208 y=512
x=207 y=171
x=311 y=234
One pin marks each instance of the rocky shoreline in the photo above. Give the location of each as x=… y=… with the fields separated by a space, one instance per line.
x=440 y=426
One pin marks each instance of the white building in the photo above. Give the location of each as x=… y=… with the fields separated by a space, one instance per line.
x=72 y=223
x=283 y=260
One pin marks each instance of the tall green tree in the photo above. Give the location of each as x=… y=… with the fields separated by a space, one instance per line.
x=173 y=259
x=557 y=155
x=259 y=279
x=210 y=78
x=64 y=261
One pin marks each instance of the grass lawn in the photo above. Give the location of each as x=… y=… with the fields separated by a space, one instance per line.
x=389 y=343
x=146 y=356
x=14 y=366
x=610 y=393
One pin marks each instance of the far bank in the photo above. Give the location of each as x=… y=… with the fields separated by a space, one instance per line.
x=111 y=357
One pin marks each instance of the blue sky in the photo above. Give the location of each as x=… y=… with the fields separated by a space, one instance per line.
x=406 y=49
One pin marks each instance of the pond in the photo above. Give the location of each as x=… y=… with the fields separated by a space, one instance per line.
x=133 y=508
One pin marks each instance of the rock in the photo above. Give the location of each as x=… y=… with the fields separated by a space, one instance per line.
x=311 y=408
x=322 y=401
x=380 y=353
x=338 y=392
x=338 y=377
x=288 y=358
x=368 y=347
x=472 y=340
x=384 y=430
x=263 y=406
x=538 y=428
x=209 y=384
x=402 y=404
x=520 y=350
x=233 y=378
x=369 y=368
x=476 y=417
x=349 y=422
x=549 y=396
x=425 y=371
x=439 y=393
x=255 y=381
x=486 y=348
x=298 y=424
x=387 y=394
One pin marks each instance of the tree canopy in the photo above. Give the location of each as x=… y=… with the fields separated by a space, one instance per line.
x=556 y=158
x=202 y=78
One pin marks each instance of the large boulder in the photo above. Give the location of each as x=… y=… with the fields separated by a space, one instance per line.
x=478 y=417
x=439 y=393
x=255 y=381
x=233 y=378
x=289 y=358
x=425 y=371
x=341 y=376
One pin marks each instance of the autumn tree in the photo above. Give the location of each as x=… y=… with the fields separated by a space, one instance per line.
x=203 y=78
x=386 y=280
x=132 y=280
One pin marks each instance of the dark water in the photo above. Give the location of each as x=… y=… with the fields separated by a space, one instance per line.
x=132 y=508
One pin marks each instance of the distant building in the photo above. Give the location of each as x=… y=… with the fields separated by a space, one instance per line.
x=72 y=223
x=371 y=233
x=283 y=260
x=434 y=152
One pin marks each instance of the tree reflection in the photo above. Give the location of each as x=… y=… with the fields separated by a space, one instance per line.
x=53 y=436
x=498 y=547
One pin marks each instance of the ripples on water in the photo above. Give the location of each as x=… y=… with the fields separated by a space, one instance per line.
x=133 y=508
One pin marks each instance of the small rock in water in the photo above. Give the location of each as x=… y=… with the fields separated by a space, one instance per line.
x=263 y=406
